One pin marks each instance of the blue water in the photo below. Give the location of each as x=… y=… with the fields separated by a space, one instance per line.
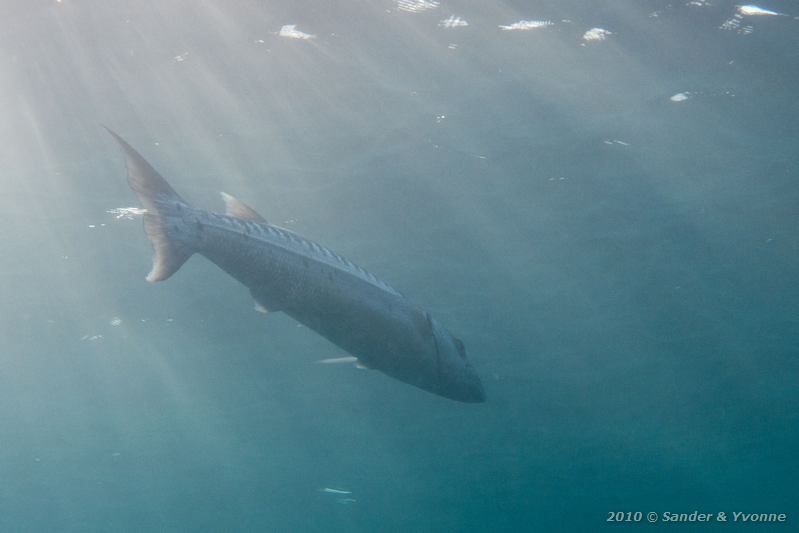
x=609 y=225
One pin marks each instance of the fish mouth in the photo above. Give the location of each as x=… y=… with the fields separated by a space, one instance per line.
x=477 y=393
x=469 y=391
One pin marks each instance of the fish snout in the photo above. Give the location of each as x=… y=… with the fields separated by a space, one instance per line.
x=467 y=388
x=475 y=393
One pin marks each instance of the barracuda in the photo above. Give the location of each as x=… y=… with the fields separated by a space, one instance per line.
x=337 y=299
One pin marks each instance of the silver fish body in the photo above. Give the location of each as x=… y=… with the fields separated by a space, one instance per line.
x=325 y=292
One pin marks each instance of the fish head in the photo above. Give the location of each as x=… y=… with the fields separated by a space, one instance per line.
x=457 y=378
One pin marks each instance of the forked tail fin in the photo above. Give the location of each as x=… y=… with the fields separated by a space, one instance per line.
x=163 y=221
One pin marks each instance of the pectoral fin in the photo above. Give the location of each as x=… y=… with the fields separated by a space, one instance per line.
x=262 y=303
x=338 y=360
x=343 y=360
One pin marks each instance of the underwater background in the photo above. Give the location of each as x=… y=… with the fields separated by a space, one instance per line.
x=599 y=197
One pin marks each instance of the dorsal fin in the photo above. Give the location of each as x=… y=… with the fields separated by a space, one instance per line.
x=236 y=208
